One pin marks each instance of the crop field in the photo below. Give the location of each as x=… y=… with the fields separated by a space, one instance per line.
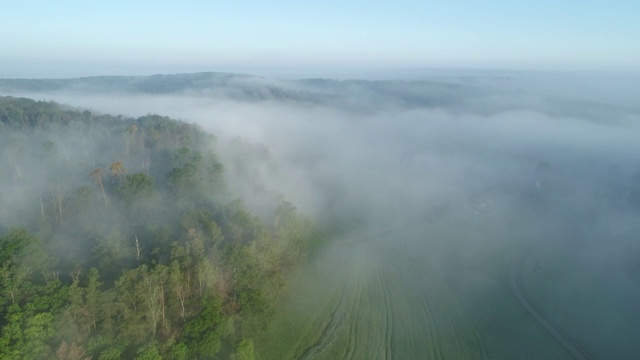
x=597 y=311
x=423 y=291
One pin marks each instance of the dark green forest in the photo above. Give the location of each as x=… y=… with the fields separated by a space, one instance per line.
x=119 y=239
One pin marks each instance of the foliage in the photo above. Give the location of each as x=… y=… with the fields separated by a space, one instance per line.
x=202 y=334
x=244 y=350
x=123 y=244
x=135 y=186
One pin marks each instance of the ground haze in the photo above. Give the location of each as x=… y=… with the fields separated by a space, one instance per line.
x=469 y=217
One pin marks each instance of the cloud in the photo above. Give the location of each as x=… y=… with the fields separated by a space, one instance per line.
x=492 y=163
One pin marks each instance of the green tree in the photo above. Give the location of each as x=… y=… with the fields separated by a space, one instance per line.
x=92 y=297
x=203 y=334
x=135 y=186
x=185 y=175
x=148 y=352
x=111 y=353
x=26 y=334
x=181 y=288
x=244 y=350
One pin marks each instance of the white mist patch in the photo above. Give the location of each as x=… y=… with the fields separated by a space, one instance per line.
x=444 y=185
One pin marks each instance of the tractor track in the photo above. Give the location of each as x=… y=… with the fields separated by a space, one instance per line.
x=555 y=331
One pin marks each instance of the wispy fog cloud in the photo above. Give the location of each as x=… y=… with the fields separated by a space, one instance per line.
x=552 y=163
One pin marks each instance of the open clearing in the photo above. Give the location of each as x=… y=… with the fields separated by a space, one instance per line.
x=425 y=291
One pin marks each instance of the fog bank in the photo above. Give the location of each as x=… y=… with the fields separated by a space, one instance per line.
x=551 y=163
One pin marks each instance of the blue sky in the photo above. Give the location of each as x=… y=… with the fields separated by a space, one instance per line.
x=73 y=38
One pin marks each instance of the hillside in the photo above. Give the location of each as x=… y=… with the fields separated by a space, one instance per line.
x=462 y=94
x=119 y=238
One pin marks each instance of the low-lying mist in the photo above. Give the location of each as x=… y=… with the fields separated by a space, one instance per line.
x=552 y=163
x=406 y=143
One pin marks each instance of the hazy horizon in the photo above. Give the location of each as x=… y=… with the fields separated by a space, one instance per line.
x=477 y=198
x=72 y=70
x=334 y=39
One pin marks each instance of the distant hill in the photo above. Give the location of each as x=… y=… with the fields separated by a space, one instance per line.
x=458 y=94
x=155 y=84
x=247 y=87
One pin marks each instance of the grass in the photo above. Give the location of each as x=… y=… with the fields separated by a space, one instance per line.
x=584 y=299
x=420 y=292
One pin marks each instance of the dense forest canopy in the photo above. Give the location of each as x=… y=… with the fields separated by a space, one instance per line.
x=119 y=239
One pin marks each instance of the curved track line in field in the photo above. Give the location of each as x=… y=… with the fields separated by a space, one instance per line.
x=478 y=339
x=389 y=347
x=337 y=317
x=554 y=331
x=358 y=292
x=434 y=349
x=387 y=316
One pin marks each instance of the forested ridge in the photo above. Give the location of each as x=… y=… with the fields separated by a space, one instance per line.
x=119 y=240
x=463 y=93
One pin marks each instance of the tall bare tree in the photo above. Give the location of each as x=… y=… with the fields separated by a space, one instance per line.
x=97 y=175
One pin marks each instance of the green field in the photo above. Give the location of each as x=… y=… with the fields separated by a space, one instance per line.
x=592 y=302
x=423 y=291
